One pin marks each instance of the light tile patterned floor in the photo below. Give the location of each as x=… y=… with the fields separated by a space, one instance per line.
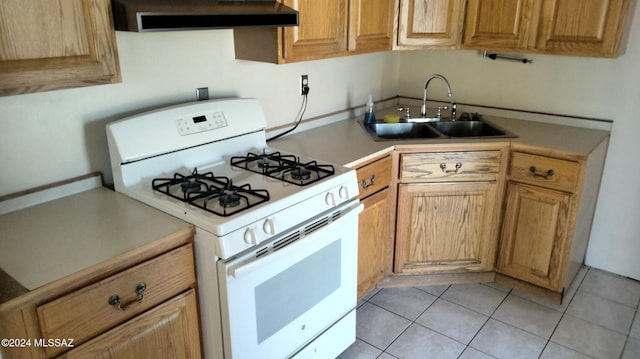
x=598 y=319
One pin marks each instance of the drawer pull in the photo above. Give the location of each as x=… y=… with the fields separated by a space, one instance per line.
x=366 y=185
x=115 y=299
x=535 y=173
x=443 y=167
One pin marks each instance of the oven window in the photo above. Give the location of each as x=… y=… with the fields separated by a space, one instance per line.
x=283 y=298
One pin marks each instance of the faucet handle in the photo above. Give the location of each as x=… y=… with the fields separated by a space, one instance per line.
x=439 y=111
x=454 y=108
x=407 y=111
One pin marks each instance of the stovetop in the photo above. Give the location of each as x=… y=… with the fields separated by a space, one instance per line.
x=208 y=164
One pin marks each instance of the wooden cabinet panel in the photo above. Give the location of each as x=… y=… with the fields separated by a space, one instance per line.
x=497 y=23
x=446 y=227
x=327 y=29
x=371 y=25
x=571 y=27
x=322 y=30
x=374 y=177
x=534 y=236
x=167 y=331
x=587 y=28
x=430 y=23
x=374 y=239
x=374 y=224
x=450 y=166
x=545 y=171
x=66 y=317
x=55 y=44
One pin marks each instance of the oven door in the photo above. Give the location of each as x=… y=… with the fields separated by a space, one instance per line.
x=279 y=297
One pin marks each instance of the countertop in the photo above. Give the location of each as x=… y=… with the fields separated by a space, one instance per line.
x=49 y=241
x=347 y=143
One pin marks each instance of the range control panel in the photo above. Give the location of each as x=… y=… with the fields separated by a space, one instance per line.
x=201 y=123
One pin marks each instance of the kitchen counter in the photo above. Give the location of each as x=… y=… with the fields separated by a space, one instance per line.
x=53 y=240
x=347 y=143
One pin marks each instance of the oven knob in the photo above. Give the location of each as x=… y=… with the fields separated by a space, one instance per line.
x=344 y=192
x=250 y=236
x=269 y=226
x=330 y=199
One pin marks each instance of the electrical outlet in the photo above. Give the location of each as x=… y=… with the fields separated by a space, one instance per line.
x=304 y=84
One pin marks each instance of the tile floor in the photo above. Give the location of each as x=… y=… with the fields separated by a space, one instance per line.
x=599 y=319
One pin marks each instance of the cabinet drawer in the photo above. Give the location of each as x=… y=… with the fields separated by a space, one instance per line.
x=545 y=171
x=86 y=312
x=450 y=166
x=374 y=176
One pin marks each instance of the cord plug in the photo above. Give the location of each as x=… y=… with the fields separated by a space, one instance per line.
x=305 y=90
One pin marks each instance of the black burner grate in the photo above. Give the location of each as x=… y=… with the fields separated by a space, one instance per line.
x=211 y=193
x=284 y=167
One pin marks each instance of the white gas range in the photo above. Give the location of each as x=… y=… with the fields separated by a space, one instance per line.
x=276 y=234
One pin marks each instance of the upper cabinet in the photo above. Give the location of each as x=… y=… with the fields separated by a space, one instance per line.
x=568 y=27
x=54 y=44
x=327 y=29
x=430 y=23
x=498 y=24
x=582 y=28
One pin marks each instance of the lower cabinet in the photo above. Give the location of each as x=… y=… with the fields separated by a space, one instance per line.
x=534 y=235
x=446 y=227
x=374 y=225
x=166 y=331
x=373 y=240
x=147 y=308
x=448 y=207
x=550 y=202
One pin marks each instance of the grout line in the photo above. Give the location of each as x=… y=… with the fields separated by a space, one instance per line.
x=487 y=321
x=626 y=340
x=564 y=312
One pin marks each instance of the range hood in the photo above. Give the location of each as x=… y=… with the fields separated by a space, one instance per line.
x=169 y=15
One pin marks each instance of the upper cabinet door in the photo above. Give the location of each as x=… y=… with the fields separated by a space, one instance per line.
x=430 y=23
x=582 y=28
x=498 y=24
x=53 y=44
x=371 y=24
x=322 y=31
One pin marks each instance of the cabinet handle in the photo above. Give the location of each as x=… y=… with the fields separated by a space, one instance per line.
x=443 y=167
x=115 y=299
x=366 y=185
x=535 y=173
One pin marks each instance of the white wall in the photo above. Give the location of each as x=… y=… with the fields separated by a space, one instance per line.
x=595 y=88
x=52 y=136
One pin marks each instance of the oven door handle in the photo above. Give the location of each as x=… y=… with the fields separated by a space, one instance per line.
x=301 y=245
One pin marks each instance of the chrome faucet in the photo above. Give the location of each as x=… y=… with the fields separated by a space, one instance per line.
x=423 y=109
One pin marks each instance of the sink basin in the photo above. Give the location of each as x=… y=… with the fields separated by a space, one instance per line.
x=382 y=131
x=469 y=129
x=402 y=130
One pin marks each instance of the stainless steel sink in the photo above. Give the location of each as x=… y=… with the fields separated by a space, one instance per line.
x=401 y=130
x=435 y=130
x=468 y=129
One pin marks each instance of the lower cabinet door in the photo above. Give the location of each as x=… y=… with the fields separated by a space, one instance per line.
x=373 y=237
x=446 y=227
x=535 y=235
x=169 y=330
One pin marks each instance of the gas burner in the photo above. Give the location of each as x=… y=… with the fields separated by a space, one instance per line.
x=300 y=173
x=263 y=163
x=229 y=200
x=190 y=184
x=181 y=186
x=287 y=168
x=211 y=193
